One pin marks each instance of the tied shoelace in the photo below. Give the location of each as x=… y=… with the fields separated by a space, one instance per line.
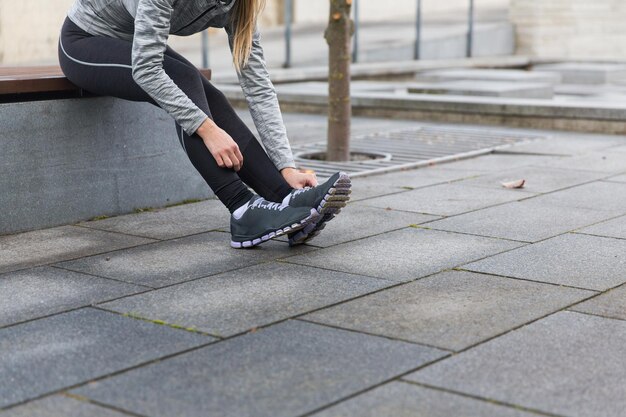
x=300 y=191
x=264 y=204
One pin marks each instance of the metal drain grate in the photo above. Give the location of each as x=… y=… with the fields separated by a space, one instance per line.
x=410 y=148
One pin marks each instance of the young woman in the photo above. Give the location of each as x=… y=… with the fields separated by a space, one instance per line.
x=119 y=48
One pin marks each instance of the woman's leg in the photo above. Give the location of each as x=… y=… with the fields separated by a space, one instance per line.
x=258 y=171
x=102 y=66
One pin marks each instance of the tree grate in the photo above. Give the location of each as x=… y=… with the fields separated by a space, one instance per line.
x=410 y=148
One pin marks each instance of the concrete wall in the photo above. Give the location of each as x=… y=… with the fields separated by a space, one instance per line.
x=316 y=11
x=29 y=30
x=576 y=29
x=64 y=161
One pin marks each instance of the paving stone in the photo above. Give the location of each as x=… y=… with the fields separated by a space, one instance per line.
x=285 y=370
x=357 y=221
x=405 y=254
x=610 y=304
x=179 y=260
x=61 y=406
x=538 y=179
x=401 y=399
x=606 y=160
x=485 y=88
x=452 y=310
x=500 y=162
x=568 y=145
x=38 y=292
x=58 y=244
x=611 y=228
x=567 y=364
x=599 y=195
x=447 y=199
x=169 y=223
x=577 y=260
x=618 y=178
x=394 y=182
x=234 y=302
x=60 y=351
x=529 y=220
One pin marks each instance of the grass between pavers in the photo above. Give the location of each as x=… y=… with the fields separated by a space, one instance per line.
x=150 y=209
x=164 y=323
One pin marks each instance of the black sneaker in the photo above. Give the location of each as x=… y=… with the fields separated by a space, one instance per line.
x=260 y=220
x=327 y=199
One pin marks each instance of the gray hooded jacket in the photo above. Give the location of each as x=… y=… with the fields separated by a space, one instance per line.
x=148 y=23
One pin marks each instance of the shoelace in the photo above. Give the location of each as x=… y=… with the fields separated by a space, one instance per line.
x=264 y=204
x=300 y=191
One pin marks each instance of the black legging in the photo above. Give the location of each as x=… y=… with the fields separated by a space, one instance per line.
x=78 y=51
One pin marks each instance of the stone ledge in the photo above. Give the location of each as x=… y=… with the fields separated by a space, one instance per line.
x=591 y=117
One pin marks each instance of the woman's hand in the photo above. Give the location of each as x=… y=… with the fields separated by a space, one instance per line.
x=297 y=179
x=223 y=148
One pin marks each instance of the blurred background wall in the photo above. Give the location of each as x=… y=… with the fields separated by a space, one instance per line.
x=575 y=29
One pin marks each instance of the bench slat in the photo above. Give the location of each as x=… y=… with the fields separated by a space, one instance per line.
x=44 y=79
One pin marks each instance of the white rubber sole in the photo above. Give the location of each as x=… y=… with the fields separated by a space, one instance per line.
x=313 y=217
x=332 y=203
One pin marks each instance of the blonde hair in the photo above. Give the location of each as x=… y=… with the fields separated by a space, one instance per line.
x=244 y=16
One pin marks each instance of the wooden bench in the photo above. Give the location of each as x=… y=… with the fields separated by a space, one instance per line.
x=41 y=83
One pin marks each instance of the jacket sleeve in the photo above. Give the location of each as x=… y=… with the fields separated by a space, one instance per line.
x=263 y=103
x=152 y=26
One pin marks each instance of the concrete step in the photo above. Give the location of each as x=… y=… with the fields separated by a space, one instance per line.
x=586 y=72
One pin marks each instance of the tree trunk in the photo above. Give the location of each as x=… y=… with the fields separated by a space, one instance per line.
x=338 y=36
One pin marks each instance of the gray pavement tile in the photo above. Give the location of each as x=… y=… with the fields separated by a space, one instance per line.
x=568 y=364
x=538 y=179
x=284 y=370
x=584 y=261
x=452 y=310
x=168 y=223
x=609 y=304
x=179 y=260
x=529 y=220
x=608 y=160
x=405 y=254
x=233 y=302
x=446 y=199
x=38 y=292
x=618 y=178
x=377 y=185
x=52 y=353
x=357 y=221
x=611 y=228
x=61 y=406
x=58 y=244
x=598 y=195
x=568 y=144
x=500 y=161
x=401 y=399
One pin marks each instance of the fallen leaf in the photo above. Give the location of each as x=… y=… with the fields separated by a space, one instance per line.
x=514 y=184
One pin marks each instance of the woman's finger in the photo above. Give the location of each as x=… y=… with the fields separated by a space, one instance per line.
x=236 y=162
x=219 y=160
x=239 y=156
x=227 y=162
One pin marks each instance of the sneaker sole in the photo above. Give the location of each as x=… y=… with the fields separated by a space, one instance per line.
x=332 y=203
x=312 y=218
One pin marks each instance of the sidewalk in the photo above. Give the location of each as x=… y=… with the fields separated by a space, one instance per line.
x=435 y=290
